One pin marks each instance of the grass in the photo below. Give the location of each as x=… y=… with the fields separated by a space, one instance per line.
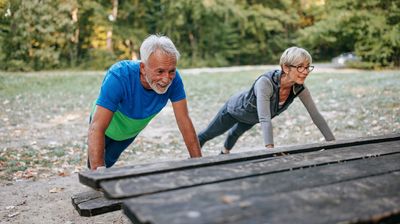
x=43 y=116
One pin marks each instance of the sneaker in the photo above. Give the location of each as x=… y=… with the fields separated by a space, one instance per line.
x=223 y=153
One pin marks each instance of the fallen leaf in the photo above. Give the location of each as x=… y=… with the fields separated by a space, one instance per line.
x=13 y=214
x=63 y=174
x=229 y=199
x=29 y=173
x=77 y=169
x=56 y=190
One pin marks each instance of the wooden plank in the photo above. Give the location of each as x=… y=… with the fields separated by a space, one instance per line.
x=93 y=203
x=362 y=190
x=133 y=187
x=93 y=178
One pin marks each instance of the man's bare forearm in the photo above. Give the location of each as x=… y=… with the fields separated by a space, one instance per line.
x=186 y=127
x=96 y=147
x=192 y=144
x=96 y=136
x=193 y=147
x=190 y=138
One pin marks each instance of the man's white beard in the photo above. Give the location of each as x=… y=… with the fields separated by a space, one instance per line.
x=154 y=87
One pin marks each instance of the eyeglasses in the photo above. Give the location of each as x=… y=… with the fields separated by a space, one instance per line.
x=301 y=68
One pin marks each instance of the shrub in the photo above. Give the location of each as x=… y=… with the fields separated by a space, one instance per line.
x=98 y=59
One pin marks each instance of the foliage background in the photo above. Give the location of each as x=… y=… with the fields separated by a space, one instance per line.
x=93 y=34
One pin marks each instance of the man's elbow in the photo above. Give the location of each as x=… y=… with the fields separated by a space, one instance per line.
x=96 y=126
x=95 y=130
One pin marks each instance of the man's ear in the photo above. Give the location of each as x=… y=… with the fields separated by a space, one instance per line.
x=142 y=67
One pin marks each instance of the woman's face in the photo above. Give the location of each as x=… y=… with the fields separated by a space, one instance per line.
x=298 y=73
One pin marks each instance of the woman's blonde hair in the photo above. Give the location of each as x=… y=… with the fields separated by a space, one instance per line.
x=295 y=56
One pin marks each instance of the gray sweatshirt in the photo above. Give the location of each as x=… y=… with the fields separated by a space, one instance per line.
x=261 y=103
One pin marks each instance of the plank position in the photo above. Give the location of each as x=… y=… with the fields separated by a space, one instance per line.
x=270 y=95
x=133 y=93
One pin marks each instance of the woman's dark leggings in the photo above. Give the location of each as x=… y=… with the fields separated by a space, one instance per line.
x=221 y=123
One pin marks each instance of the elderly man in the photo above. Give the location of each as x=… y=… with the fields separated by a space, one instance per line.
x=132 y=93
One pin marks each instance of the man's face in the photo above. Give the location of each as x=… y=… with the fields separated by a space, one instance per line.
x=159 y=71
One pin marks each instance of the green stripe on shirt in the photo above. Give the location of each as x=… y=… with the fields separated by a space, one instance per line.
x=122 y=127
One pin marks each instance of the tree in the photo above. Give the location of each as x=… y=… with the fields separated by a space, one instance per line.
x=6 y=11
x=39 y=35
x=371 y=28
x=45 y=34
x=267 y=28
x=202 y=30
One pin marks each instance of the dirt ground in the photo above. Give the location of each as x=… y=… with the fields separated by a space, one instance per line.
x=44 y=195
x=33 y=202
x=47 y=198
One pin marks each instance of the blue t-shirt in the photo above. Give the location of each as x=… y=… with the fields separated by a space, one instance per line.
x=132 y=104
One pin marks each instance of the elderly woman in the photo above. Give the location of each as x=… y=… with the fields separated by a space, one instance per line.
x=270 y=95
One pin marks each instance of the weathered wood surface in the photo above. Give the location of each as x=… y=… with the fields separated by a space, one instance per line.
x=131 y=187
x=91 y=203
x=93 y=179
x=352 y=181
x=341 y=202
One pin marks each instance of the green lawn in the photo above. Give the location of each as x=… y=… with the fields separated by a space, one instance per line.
x=43 y=116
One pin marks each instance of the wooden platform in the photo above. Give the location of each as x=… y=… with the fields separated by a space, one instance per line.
x=91 y=203
x=351 y=181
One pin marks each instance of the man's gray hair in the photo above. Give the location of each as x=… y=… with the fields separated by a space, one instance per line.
x=157 y=42
x=295 y=56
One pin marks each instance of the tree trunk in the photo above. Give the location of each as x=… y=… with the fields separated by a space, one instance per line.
x=75 y=38
x=192 y=40
x=112 y=18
